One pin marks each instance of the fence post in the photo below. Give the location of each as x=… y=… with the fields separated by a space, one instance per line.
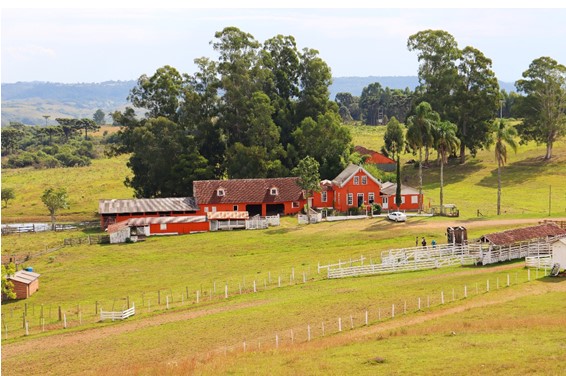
x=198 y=296
x=351 y=322
x=226 y=291
x=293 y=273
x=442 y=297
x=366 y=317
x=405 y=308
x=419 y=303
x=379 y=314
x=254 y=287
x=392 y=310
x=27 y=328
x=308 y=333
x=244 y=345
x=339 y=324
x=508 y=280
x=323 y=328
x=292 y=336
x=167 y=302
x=487 y=285
x=279 y=282
x=65 y=321
x=529 y=275
x=304 y=278
x=276 y=341
x=465 y=291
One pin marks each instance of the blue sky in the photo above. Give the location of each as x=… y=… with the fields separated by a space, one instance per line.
x=116 y=42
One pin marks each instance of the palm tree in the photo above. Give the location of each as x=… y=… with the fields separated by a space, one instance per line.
x=419 y=135
x=446 y=142
x=504 y=135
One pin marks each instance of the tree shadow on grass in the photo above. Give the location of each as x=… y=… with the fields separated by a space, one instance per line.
x=453 y=173
x=517 y=172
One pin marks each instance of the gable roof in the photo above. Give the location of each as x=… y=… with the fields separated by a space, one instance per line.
x=146 y=221
x=23 y=276
x=375 y=157
x=348 y=173
x=145 y=205
x=239 y=191
x=523 y=234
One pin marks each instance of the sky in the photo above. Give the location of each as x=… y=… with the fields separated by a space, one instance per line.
x=104 y=41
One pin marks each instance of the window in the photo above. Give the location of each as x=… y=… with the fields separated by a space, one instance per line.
x=371 y=197
x=414 y=199
x=206 y=209
x=402 y=199
x=274 y=192
x=324 y=197
x=235 y=207
x=163 y=226
x=356 y=180
x=220 y=192
x=350 y=199
x=364 y=180
x=214 y=209
x=295 y=204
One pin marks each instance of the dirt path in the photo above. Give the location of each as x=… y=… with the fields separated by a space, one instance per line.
x=77 y=338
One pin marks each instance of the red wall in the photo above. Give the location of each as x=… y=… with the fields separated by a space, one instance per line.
x=288 y=207
x=180 y=228
x=341 y=194
x=407 y=205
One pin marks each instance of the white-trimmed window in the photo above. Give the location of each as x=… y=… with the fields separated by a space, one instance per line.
x=274 y=191
x=371 y=197
x=295 y=204
x=414 y=199
x=214 y=209
x=206 y=209
x=324 y=196
x=364 y=180
x=221 y=192
x=356 y=180
x=163 y=226
x=235 y=207
x=402 y=199
x=350 y=199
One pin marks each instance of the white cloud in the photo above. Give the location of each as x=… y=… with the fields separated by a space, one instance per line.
x=30 y=52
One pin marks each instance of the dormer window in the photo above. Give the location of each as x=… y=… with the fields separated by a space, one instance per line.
x=221 y=192
x=273 y=191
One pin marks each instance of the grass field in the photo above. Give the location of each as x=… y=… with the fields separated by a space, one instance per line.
x=508 y=330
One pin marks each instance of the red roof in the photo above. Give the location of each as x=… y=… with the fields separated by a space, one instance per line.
x=247 y=191
x=523 y=234
x=375 y=157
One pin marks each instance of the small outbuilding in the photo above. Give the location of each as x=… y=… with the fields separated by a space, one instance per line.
x=25 y=283
x=559 y=252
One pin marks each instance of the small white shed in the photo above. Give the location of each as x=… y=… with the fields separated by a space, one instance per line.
x=559 y=252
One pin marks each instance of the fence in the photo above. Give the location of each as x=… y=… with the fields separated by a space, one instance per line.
x=539 y=262
x=314 y=218
x=120 y=315
x=91 y=239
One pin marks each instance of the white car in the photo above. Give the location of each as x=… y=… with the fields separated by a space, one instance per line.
x=397 y=216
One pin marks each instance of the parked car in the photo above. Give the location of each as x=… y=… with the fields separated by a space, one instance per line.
x=397 y=216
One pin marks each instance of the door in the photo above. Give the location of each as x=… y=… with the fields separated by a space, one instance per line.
x=360 y=200
x=385 y=202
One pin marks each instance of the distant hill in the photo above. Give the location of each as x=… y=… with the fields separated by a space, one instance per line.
x=28 y=102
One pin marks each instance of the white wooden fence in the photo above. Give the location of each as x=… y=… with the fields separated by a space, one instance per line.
x=120 y=315
x=539 y=262
x=314 y=218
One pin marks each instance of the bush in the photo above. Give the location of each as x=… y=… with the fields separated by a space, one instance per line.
x=376 y=208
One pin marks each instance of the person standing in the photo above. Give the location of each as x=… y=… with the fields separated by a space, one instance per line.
x=423 y=242
x=417 y=241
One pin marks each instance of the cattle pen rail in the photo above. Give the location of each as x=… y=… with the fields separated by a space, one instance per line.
x=117 y=315
x=442 y=255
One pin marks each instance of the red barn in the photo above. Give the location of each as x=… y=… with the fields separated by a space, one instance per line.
x=379 y=160
x=256 y=196
x=114 y=211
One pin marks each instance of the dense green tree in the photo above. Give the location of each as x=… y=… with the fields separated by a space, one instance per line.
x=68 y=127
x=394 y=142
x=437 y=53
x=159 y=94
x=164 y=159
x=504 y=136
x=7 y=195
x=11 y=138
x=7 y=285
x=478 y=99
x=309 y=178
x=99 y=117
x=544 y=106
x=315 y=78
x=326 y=140
x=420 y=134
x=55 y=200
x=446 y=142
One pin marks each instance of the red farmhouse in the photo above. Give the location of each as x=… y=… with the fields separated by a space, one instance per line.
x=256 y=196
x=355 y=187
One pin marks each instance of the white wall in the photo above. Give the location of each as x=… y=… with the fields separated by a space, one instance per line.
x=559 y=254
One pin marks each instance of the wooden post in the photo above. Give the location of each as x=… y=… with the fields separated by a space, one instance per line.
x=226 y=291
x=158 y=297
x=60 y=313
x=167 y=302
x=487 y=286
x=379 y=314
x=508 y=282
x=351 y=322
x=453 y=295
x=405 y=308
x=293 y=274
x=308 y=332
x=244 y=345
x=255 y=290
x=279 y=282
x=442 y=297
x=304 y=278
x=419 y=303
x=339 y=324
x=27 y=328
x=427 y=301
x=96 y=308
x=276 y=341
x=529 y=275
x=323 y=328
x=465 y=291
x=366 y=317
x=269 y=277
x=292 y=337
x=65 y=321
x=392 y=310
x=198 y=293
x=42 y=324
x=128 y=302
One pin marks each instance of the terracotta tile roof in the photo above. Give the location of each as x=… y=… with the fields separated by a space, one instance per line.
x=247 y=191
x=144 y=205
x=523 y=234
